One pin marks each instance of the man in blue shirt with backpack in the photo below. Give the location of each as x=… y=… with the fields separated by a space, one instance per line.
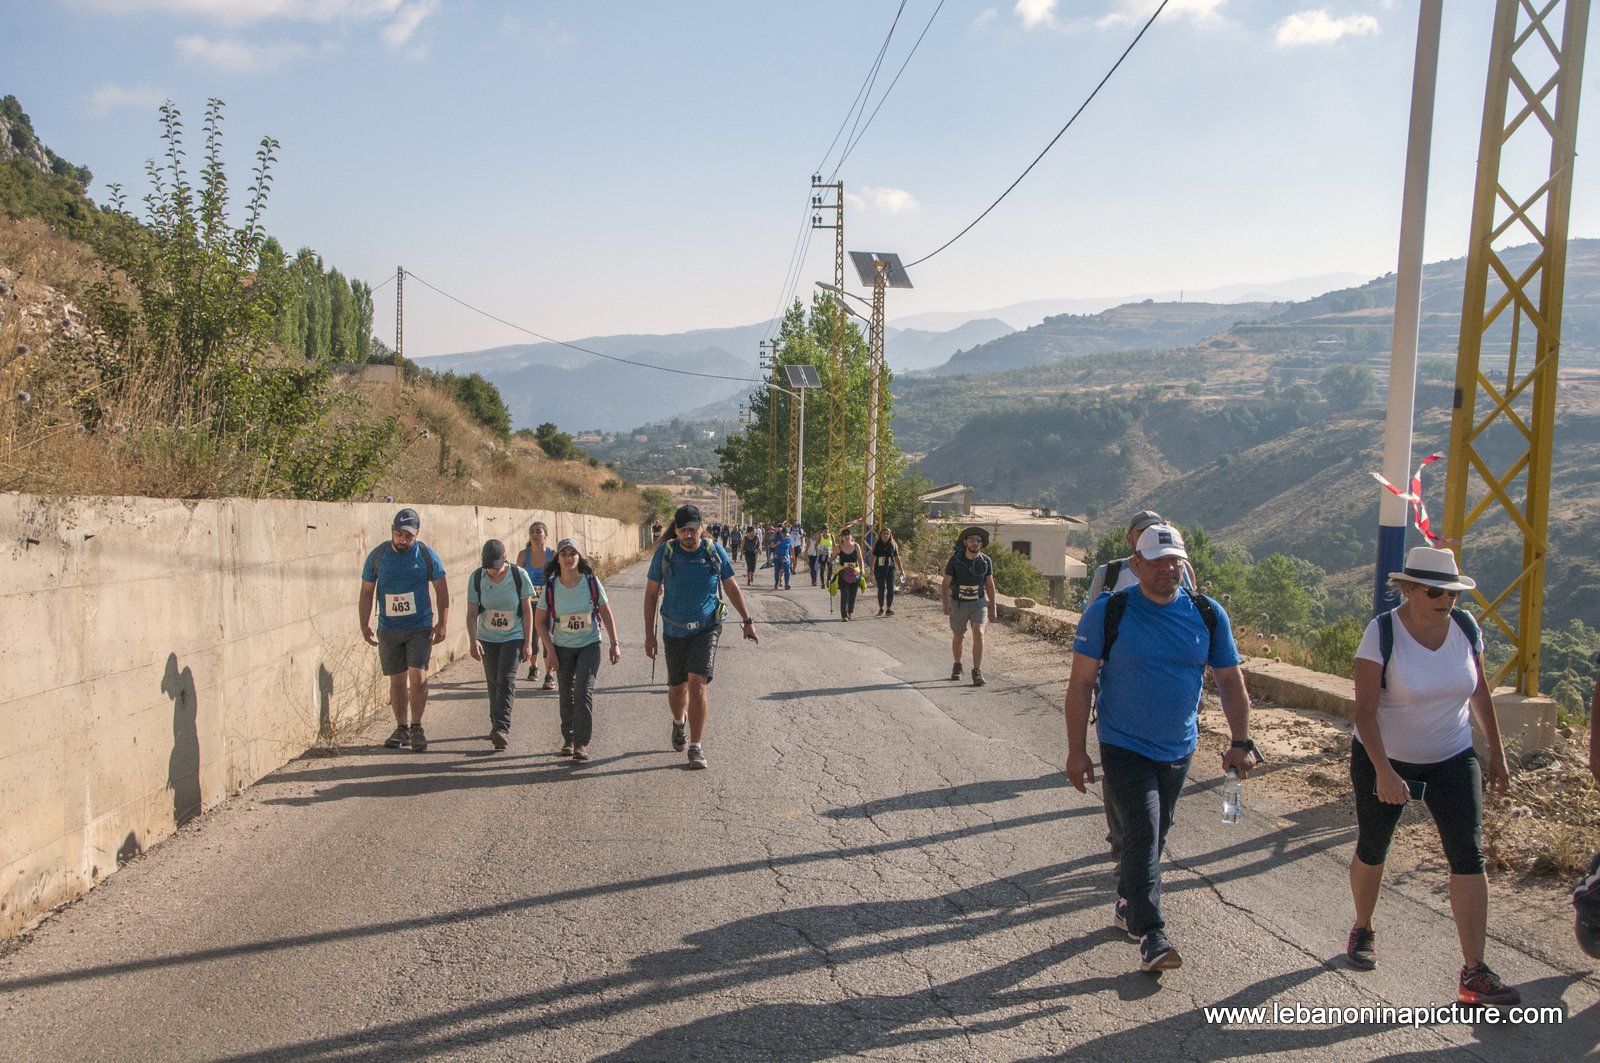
x=1149 y=647
x=686 y=574
x=397 y=575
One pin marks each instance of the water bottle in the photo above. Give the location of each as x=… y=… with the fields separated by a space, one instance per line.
x=1232 y=797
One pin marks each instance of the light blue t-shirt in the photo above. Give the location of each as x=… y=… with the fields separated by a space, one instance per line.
x=689 y=586
x=1150 y=688
x=500 y=608
x=402 y=577
x=575 y=623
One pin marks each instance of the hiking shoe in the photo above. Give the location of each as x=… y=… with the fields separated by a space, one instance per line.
x=398 y=740
x=680 y=736
x=955 y=671
x=977 y=678
x=1362 y=948
x=1479 y=985
x=533 y=672
x=549 y=681
x=567 y=748
x=888 y=612
x=580 y=754
x=1119 y=918
x=1157 y=954
x=498 y=737
x=419 y=741
x=697 y=757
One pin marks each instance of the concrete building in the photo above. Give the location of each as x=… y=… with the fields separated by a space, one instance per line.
x=1036 y=532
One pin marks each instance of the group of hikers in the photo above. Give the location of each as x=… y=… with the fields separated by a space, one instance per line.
x=1419 y=684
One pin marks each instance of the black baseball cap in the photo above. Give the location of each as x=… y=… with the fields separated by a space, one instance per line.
x=494 y=552
x=407 y=520
x=686 y=517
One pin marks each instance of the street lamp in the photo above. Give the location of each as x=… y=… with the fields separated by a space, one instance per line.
x=802 y=378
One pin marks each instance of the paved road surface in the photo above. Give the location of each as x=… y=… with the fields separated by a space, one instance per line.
x=879 y=862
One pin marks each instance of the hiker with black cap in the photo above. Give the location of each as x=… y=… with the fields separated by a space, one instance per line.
x=398 y=574
x=1149 y=647
x=968 y=594
x=1117 y=575
x=1419 y=683
x=688 y=576
x=500 y=618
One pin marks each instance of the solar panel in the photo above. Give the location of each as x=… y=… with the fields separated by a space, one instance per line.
x=803 y=376
x=894 y=274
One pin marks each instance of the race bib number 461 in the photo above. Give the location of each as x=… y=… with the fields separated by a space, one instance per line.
x=399 y=605
x=576 y=623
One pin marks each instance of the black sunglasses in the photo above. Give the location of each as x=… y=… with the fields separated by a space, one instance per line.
x=1434 y=592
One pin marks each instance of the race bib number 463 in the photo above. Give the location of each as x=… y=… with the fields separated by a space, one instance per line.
x=399 y=605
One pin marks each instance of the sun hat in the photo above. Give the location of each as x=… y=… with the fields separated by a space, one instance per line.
x=1433 y=567
x=981 y=533
x=1161 y=540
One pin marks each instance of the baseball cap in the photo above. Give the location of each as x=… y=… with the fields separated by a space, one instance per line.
x=494 y=552
x=1144 y=519
x=686 y=517
x=571 y=544
x=407 y=520
x=1161 y=540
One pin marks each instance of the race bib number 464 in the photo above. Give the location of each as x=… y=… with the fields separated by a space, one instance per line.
x=499 y=620
x=399 y=605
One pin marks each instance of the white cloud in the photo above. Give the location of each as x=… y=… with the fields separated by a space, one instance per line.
x=1036 y=13
x=1319 y=27
x=985 y=17
x=891 y=200
x=1137 y=12
x=107 y=98
x=237 y=56
x=398 y=32
x=553 y=38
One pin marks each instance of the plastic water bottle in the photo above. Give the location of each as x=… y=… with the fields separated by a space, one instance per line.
x=1232 y=797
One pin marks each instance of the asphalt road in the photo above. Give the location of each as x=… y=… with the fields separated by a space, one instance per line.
x=878 y=863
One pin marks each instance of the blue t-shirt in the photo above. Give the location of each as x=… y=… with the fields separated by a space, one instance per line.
x=535 y=570
x=402 y=577
x=500 y=608
x=1150 y=688
x=689 y=586
x=575 y=624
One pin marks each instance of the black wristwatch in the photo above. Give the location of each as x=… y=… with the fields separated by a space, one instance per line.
x=1249 y=746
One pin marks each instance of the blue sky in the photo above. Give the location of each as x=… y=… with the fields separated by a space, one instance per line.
x=587 y=168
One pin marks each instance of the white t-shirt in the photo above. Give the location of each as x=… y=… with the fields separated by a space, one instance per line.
x=1423 y=714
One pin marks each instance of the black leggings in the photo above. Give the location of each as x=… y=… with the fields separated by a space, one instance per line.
x=883 y=575
x=1454 y=797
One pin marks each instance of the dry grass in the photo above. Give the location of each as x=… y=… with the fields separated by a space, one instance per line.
x=1547 y=824
x=49 y=357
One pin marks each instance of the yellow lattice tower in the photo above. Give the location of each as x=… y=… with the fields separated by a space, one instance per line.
x=874 y=474
x=834 y=491
x=768 y=347
x=1511 y=315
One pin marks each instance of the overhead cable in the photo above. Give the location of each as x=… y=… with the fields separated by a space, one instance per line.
x=574 y=346
x=851 y=146
x=1081 y=108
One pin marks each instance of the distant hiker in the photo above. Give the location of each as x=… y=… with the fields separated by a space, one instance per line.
x=398 y=574
x=534 y=559
x=1586 y=898
x=569 y=622
x=500 y=618
x=851 y=563
x=1419 y=682
x=782 y=557
x=885 y=565
x=825 y=556
x=797 y=546
x=1117 y=575
x=751 y=545
x=811 y=557
x=1163 y=636
x=688 y=575
x=969 y=599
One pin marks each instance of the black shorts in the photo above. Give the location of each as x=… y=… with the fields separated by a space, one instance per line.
x=691 y=655
x=399 y=650
x=1454 y=796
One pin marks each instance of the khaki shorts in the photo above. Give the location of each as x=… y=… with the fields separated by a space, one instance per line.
x=975 y=613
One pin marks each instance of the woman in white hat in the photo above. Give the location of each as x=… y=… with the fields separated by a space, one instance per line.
x=1419 y=680
x=569 y=619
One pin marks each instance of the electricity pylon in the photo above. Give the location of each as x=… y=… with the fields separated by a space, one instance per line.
x=834 y=492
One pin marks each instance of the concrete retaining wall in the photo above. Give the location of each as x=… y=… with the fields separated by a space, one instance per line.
x=162 y=655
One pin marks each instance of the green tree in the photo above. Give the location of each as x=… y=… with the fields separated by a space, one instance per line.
x=1348 y=386
x=556 y=443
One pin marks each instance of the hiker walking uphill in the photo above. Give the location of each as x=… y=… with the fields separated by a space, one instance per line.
x=751 y=546
x=688 y=576
x=850 y=561
x=398 y=575
x=500 y=619
x=885 y=565
x=535 y=558
x=968 y=594
x=1419 y=681
x=1149 y=647
x=782 y=558
x=569 y=622
x=1117 y=575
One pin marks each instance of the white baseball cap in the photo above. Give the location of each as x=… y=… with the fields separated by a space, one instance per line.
x=1161 y=540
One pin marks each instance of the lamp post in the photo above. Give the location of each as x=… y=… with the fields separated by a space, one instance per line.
x=802 y=378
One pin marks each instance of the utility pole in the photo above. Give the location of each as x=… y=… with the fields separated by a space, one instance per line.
x=882 y=270
x=399 y=324
x=769 y=350
x=834 y=493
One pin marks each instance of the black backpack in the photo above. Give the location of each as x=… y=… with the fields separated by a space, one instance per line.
x=1463 y=619
x=1118 y=604
x=477 y=582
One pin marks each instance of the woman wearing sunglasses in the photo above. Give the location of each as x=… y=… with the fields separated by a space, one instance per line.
x=1418 y=681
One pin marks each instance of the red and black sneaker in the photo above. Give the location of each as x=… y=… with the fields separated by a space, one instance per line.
x=1362 y=948
x=1479 y=985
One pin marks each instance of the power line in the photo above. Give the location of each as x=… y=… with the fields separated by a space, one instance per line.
x=1081 y=108
x=851 y=146
x=574 y=346
x=863 y=91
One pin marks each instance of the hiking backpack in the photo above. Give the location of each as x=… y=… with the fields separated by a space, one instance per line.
x=1463 y=619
